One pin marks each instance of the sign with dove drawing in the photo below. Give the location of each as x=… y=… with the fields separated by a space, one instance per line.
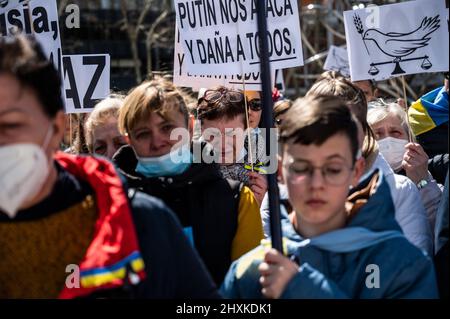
x=398 y=39
x=337 y=60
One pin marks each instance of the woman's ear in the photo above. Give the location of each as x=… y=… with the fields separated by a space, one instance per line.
x=126 y=137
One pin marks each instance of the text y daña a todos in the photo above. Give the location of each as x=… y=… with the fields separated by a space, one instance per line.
x=215 y=12
x=222 y=49
x=20 y=18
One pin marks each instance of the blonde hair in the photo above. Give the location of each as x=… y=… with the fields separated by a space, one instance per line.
x=158 y=96
x=281 y=107
x=102 y=112
x=332 y=83
x=380 y=110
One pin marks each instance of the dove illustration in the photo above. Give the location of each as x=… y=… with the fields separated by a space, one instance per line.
x=398 y=45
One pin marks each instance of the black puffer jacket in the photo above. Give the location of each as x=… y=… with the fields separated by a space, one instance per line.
x=201 y=199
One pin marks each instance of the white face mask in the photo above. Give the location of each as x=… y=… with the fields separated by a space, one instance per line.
x=23 y=171
x=393 y=150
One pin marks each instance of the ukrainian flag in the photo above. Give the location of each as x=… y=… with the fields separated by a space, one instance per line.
x=429 y=111
x=106 y=275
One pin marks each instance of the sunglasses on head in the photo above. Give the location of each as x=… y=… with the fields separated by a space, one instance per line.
x=255 y=104
x=212 y=96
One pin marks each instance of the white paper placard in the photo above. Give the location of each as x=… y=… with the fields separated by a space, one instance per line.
x=219 y=37
x=337 y=60
x=86 y=80
x=181 y=77
x=38 y=17
x=398 y=39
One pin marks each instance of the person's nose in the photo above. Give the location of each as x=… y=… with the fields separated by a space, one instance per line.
x=110 y=151
x=157 y=142
x=317 y=179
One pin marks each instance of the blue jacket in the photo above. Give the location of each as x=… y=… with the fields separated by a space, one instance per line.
x=369 y=258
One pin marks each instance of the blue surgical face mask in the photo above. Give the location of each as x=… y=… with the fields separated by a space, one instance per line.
x=170 y=164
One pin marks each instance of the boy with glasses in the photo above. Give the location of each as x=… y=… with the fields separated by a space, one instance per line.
x=339 y=244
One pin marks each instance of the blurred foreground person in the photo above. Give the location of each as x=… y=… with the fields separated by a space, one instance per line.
x=409 y=209
x=68 y=226
x=338 y=245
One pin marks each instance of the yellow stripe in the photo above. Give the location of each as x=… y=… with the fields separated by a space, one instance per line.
x=102 y=279
x=137 y=265
x=419 y=119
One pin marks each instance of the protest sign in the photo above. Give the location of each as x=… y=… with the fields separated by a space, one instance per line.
x=220 y=37
x=397 y=39
x=181 y=77
x=86 y=80
x=38 y=17
x=337 y=60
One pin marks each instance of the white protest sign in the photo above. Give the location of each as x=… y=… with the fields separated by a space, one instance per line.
x=221 y=36
x=38 y=17
x=398 y=39
x=337 y=60
x=181 y=77
x=6 y=5
x=86 y=80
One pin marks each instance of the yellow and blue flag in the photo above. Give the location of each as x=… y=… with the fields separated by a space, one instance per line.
x=430 y=111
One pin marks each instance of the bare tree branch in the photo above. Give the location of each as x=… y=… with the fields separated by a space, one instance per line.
x=151 y=37
x=133 y=33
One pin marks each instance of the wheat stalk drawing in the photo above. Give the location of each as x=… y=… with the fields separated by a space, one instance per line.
x=360 y=28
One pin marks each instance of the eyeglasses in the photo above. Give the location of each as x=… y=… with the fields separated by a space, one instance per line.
x=333 y=173
x=255 y=104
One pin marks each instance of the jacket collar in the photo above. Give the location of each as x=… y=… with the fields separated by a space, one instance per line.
x=197 y=173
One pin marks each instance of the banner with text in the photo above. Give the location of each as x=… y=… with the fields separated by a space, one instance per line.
x=220 y=37
x=86 y=80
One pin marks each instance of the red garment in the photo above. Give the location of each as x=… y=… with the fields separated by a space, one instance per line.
x=115 y=242
x=276 y=95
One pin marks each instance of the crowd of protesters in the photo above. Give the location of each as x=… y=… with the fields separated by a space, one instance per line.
x=163 y=195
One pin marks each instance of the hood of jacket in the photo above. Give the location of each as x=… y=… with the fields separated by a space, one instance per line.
x=371 y=215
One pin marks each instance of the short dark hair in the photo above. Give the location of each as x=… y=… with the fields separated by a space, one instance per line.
x=223 y=107
x=22 y=57
x=314 y=119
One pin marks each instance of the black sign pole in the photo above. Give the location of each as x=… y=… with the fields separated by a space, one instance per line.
x=268 y=124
